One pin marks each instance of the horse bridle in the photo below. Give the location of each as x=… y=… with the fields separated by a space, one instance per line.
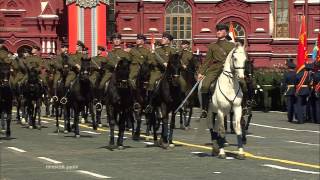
x=230 y=73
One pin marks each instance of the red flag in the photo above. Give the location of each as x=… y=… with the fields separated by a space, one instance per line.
x=152 y=41
x=318 y=53
x=302 y=56
x=232 y=33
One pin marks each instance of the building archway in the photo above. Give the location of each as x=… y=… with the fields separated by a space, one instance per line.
x=178 y=20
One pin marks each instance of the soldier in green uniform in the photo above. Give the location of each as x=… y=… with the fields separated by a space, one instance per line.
x=213 y=64
x=62 y=64
x=161 y=57
x=113 y=57
x=74 y=61
x=138 y=55
x=186 y=57
x=3 y=52
x=98 y=66
x=32 y=62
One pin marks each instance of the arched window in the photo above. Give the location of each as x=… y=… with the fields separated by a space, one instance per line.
x=178 y=19
x=238 y=29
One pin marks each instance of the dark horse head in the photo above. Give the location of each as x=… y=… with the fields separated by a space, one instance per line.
x=122 y=72
x=174 y=69
x=84 y=71
x=143 y=76
x=33 y=89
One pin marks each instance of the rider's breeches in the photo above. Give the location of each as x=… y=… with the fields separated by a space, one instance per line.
x=154 y=77
x=208 y=80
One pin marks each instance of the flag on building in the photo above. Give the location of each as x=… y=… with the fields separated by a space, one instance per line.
x=315 y=51
x=302 y=56
x=232 y=33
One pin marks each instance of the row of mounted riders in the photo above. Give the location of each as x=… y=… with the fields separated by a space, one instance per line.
x=124 y=104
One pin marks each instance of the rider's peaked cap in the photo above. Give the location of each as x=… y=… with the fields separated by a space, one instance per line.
x=116 y=36
x=141 y=36
x=167 y=35
x=81 y=44
x=222 y=26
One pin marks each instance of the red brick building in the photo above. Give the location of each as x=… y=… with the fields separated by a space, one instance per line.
x=270 y=28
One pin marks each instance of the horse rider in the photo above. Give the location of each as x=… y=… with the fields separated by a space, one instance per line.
x=186 y=56
x=98 y=65
x=73 y=63
x=303 y=90
x=212 y=67
x=62 y=65
x=288 y=87
x=33 y=62
x=113 y=58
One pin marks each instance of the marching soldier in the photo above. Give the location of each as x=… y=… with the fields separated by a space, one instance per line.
x=113 y=58
x=213 y=65
x=303 y=91
x=288 y=86
x=316 y=93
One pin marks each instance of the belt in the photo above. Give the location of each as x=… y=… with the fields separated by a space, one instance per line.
x=267 y=85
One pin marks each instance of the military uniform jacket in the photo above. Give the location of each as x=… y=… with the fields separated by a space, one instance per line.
x=64 y=64
x=316 y=83
x=186 y=57
x=216 y=56
x=305 y=88
x=3 y=55
x=33 y=62
x=115 y=56
x=139 y=55
x=288 y=83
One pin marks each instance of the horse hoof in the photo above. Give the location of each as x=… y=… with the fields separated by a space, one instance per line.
x=82 y=121
x=136 y=137
x=23 y=121
x=66 y=131
x=120 y=147
x=100 y=125
x=172 y=146
x=78 y=136
x=3 y=131
x=39 y=127
x=222 y=156
x=215 y=148
x=241 y=157
x=30 y=127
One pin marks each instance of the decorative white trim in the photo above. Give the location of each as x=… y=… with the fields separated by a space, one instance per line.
x=162 y=1
x=205 y=30
x=13 y=10
x=48 y=16
x=260 y=30
x=316 y=30
x=153 y=30
x=127 y=29
x=309 y=2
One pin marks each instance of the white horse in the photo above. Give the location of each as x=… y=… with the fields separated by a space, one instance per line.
x=227 y=97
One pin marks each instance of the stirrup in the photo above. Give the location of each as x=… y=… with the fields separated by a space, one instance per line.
x=204 y=114
x=148 y=109
x=136 y=107
x=99 y=106
x=64 y=100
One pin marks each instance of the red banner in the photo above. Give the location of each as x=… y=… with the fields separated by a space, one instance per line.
x=302 y=56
